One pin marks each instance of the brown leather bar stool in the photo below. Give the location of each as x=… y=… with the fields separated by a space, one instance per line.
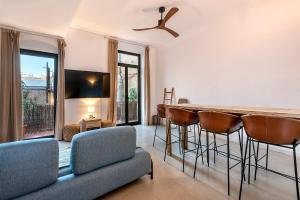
x=278 y=131
x=183 y=118
x=184 y=101
x=221 y=124
x=161 y=114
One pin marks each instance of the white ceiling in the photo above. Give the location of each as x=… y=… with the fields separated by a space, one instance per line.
x=118 y=17
x=47 y=16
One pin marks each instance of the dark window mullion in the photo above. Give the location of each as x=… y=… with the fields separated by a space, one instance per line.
x=139 y=90
x=126 y=95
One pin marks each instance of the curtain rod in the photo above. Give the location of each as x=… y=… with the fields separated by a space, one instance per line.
x=22 y=30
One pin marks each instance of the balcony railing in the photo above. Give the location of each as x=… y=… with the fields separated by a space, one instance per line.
x=132 y=112
x=38 y=121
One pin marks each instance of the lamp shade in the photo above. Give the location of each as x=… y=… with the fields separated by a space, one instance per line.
x=91 y=109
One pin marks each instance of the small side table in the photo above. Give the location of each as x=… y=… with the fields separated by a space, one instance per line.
x=107 y=123
x=86 y=124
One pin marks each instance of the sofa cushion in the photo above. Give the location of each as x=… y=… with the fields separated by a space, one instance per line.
x=101 y=147
x=27 y=166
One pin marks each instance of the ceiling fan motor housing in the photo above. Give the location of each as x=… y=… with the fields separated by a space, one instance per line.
x=162 y=9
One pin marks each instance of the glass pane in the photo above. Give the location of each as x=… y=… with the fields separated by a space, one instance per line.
x=121 y=118
x=132 y=94
x=37 y=75
x=128 y=59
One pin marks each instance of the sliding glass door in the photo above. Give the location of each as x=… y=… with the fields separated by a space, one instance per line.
x=128 y=91
x=38 y=76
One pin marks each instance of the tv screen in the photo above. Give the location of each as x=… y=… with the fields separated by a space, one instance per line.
x=86 y=84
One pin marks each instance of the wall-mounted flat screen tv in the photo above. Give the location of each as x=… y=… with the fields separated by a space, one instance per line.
x=86 y=84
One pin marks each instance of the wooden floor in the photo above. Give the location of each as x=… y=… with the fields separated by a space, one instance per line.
x=211 y=182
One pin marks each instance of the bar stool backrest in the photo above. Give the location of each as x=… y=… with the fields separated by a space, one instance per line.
x=272 y=130
x=182 y=117
x=161 y=110
x=218 y=122
x=183 y=100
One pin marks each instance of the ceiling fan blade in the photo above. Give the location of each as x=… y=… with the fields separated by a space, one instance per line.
x=170 y=31
x=144 y=29
x=171 y=12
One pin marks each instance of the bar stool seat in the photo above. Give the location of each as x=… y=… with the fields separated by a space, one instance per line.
x=220 y=123
x=272 y=130
x=182 y=117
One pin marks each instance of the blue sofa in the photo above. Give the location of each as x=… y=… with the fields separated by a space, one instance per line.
x=101 y=161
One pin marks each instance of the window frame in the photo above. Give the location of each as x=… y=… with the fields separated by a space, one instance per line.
x=138 y=67
x=43 y=54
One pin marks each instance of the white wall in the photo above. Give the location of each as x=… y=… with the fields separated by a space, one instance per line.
x=85 y=51
x=248 y=56
x=38 y=43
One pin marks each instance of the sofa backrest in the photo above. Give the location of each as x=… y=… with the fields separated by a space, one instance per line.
x=26 y=166
x=98 y=148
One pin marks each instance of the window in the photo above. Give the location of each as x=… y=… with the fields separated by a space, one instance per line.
x=38 y=76
x=128 y=91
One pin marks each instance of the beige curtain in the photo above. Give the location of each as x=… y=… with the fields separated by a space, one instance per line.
x=147 y=103
x=11 y=125
x=60 y=91
x=112 y=63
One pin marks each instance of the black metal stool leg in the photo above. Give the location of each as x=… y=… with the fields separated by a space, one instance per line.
x=195 y=139
x=241 y=150
x=243 y=171
x=157 y=118
x=228 y=176
x=249 y=161
x=167 y=139
x=257 y=149
x=240 y=143
x=296 y=171
x=242 y=139
x=200 y=131
x=179 y=138
x=255 y=158
x=183 y=150
x=197 y=154
x=207 y=148
x=267 y=157
x=215 y=146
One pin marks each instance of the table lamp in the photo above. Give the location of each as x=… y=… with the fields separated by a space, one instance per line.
x=91 y=110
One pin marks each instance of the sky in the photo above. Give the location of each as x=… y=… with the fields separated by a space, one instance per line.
x=35 y=65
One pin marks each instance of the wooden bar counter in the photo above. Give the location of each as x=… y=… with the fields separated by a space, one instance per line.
x=239 y=110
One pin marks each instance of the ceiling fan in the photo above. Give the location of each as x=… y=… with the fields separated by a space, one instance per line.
x=162 y=22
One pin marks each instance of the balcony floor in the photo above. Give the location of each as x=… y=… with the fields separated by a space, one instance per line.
x=39 y=134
